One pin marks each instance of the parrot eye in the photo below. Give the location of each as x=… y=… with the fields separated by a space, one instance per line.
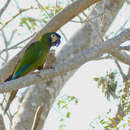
x=53 y=35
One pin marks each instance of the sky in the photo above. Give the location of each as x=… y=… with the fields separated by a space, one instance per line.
x=91 y=100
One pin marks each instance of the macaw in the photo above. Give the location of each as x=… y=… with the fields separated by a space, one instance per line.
x=33 y=58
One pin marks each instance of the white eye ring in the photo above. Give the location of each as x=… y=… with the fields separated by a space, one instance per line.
x=53 y=35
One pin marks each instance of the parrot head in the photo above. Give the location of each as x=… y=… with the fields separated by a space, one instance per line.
x=55 y=39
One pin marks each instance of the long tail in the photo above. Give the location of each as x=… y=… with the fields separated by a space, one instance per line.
x=11 y=98
x=12 y=95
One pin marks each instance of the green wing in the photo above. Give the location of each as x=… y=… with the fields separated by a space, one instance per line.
x=26 y=63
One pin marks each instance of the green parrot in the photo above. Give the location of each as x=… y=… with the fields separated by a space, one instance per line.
x=33 y=58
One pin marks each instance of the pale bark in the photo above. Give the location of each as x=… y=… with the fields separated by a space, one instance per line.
x=45 y=93
x=122 y=56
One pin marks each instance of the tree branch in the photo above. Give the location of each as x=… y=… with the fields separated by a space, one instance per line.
x=2 y=126
x=125 y=48
x=13 y=17
x=16 y=45
x=120 y=69
x=37 y=117
x=68 y=65
x=128 y=75
x=122 y=56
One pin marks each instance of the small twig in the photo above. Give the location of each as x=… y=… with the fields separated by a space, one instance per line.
x=63 y=35
x=12 y=36
x=128 y=2
x=2 y=107
x=120 y=69
x=5 y=7
x=104 y=57
x=128 y=75
x=14 y=46
x=6 y=45
x=13 y=17
x=49 y=16
x=37 y=118
x=42 y=7
x=87 y=19
x=2 y=59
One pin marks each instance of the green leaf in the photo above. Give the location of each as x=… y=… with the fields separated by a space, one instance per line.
x=68 y=114
x=1 y=22
x=47 y=7
x=124 y=125
x=59 y=103
x=62 y=126
x=102 y=122
x=65 y=106
x=29 y=22
x=58 y=9
x=62 y=119
x=76 y=101
x=99 y=116
x=95 y=78
x=106 y=126
x=72 y=98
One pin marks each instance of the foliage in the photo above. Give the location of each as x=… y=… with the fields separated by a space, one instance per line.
x=46 y=13
x=108 y=84
x=63 y=106
x=29 y=22
x=125 y=98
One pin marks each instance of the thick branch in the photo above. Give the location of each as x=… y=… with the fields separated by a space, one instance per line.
x=68 y=65
x=58 y=21
x=125 y=48
x=122 y=56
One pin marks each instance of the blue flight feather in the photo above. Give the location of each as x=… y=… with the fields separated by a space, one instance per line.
x=19 y=72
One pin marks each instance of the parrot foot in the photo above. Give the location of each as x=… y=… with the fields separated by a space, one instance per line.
x=49 y=68
x=37 y=73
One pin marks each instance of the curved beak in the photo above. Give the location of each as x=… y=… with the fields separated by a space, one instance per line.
x=57 y=43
